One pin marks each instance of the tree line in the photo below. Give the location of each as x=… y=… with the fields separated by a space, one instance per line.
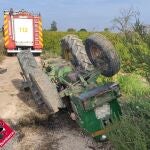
x=127 y=21
x=54 y=27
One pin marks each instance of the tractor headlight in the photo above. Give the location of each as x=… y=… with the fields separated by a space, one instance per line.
x=103 y=111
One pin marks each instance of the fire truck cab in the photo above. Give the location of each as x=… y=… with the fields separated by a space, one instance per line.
x=22 y=30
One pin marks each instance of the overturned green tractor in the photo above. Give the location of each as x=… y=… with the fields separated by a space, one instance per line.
x=94 y=106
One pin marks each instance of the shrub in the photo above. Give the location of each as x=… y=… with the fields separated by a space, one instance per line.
x=132 y=132
x=52 y=40
x=134 y=85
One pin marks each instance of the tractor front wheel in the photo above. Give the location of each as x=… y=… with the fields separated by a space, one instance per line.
x=74 y=50
x=102 y=54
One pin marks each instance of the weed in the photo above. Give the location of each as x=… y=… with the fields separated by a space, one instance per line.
x=132 y=132
x=134 y=85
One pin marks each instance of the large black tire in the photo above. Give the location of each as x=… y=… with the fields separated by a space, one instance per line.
x=74 y=50
x=102 y=54
x=43 y=90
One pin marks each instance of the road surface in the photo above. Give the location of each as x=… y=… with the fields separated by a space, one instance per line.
x=35 y=128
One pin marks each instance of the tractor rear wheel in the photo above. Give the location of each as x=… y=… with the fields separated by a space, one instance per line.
x=74 y=50
x=102 y=54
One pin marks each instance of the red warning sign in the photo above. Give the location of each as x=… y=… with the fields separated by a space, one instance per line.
x=6 y=133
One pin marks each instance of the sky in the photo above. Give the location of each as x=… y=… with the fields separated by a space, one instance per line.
x=94 y=15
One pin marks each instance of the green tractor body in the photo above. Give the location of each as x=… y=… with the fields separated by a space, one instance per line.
x=94 y=106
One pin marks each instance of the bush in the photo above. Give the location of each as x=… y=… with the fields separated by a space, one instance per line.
x=134 y=85
x=52 y=41
x=132 y=132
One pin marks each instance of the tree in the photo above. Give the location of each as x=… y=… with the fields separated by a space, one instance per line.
x=82 y=30
x=139 y=28
x=106 y=29
x=71 y=30
x=123 y=23
x=53 y=26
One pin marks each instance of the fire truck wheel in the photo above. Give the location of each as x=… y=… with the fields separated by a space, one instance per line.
x=74 y=50
x=102 y=54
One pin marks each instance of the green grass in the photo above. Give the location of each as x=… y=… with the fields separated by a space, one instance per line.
x=126 y=135
x=134 y=85
x=132 y=132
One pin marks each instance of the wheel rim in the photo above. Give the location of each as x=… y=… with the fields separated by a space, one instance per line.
x=95 y=52
x=99 y=58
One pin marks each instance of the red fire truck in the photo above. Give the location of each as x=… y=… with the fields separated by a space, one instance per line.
x=22 y=30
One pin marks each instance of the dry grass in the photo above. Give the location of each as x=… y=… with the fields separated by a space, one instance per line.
x=1 y=48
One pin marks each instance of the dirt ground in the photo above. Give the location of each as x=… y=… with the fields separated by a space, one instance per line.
x=35 y=129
